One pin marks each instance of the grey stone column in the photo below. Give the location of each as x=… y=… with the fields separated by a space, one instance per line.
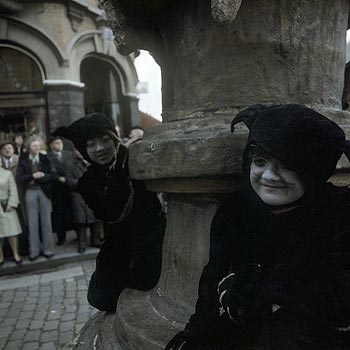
x=65 y=103
x=217 y=58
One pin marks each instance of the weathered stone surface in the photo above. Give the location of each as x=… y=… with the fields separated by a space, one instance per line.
x=225 y=10
x=200 y=148
x=98 y=333
x=200 y=152
x=65 y=105
x=273 y=52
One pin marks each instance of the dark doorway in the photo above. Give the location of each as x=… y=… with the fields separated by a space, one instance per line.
x=102 y=88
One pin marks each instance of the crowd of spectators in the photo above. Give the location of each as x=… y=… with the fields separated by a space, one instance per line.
x=39 y=197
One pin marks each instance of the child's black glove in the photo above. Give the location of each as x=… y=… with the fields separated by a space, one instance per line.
x=238 y=291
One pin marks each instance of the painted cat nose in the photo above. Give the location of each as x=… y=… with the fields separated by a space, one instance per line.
x=271 y=175
x=99 y=147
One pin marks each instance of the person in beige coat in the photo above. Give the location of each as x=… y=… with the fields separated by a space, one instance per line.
x=9 y=223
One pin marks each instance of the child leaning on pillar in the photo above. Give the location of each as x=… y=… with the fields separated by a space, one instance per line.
x=131 y=254
x=278 y=275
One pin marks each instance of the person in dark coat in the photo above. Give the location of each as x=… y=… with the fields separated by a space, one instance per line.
x=61 y=195
x=83 y=215
x=37 y=175
x=130 y=257
x=278 y=276
x=18 y=143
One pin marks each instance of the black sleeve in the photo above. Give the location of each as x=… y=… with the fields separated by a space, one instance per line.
x=49 y=170
x=107 y=193
x=22 y=175
x=72 y=180
x=326 y=294
x=316 y=287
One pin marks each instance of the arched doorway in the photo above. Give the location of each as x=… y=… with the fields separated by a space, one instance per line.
x=22 y=95
x=102 y=89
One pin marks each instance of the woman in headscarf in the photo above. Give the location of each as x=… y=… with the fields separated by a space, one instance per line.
x=130 y=257
x=278 y=276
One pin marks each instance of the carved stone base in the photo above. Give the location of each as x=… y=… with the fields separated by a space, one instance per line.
x=98 y=333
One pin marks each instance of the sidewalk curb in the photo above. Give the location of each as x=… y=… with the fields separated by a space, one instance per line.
x=43 y=264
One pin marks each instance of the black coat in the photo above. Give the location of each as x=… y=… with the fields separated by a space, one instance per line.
x=134 y=230
x=61 y=165
x=82 y=214
x=62 y=218
x=25 y=175
x=304 y=255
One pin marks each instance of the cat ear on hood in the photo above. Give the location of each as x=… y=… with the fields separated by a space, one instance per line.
x=248 y=116
x=66 y=132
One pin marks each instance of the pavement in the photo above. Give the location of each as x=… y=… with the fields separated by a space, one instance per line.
x=43 y=303
x=63 y=255
x=45 y=310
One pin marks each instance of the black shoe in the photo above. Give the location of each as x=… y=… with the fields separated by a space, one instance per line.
x=33 y=258
x=48 y=256
x=59 y=243
x=96 y=245
x=17 y=262
x=81 y=250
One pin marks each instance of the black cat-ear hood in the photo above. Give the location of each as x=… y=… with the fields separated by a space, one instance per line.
x=304 y=140
x=82 y=129
x=248 y=116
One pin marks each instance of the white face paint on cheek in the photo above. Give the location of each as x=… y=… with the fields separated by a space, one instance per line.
x=275 y=185
x=101 y=151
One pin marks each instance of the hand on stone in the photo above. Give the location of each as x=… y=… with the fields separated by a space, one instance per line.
x=9 y=209
x=131 y=141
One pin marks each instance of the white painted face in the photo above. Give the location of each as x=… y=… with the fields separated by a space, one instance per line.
x=101 y=150
x=273 y=183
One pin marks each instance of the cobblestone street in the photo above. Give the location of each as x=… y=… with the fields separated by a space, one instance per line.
x=46 y=310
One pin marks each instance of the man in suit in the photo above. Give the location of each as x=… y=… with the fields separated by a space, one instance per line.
x=37 y=176
x=62 y=218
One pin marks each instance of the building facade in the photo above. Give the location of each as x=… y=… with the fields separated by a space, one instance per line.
x=58 y=62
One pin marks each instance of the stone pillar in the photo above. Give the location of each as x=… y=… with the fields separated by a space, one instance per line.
x=65 y=102
x=217 y=58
